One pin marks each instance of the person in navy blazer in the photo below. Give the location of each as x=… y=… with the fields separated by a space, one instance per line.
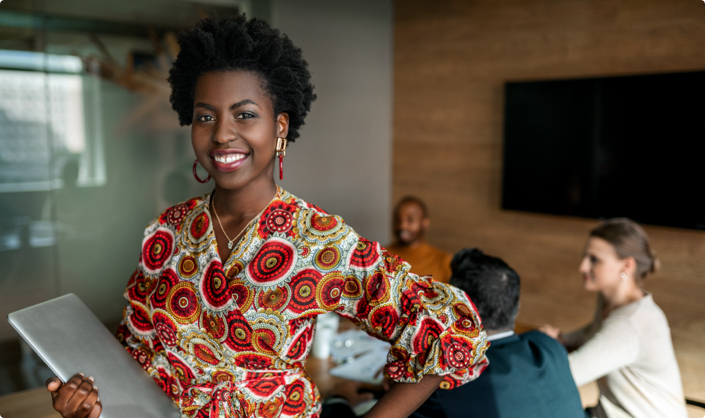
x=528 y=375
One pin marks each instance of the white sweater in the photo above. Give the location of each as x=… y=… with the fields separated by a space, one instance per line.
x=631 y=356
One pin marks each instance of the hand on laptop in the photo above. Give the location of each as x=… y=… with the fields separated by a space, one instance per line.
x=77 y=398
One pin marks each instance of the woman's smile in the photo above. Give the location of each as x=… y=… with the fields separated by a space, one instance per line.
x=228 y=160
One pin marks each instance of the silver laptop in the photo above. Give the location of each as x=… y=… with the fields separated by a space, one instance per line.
x=71 y=339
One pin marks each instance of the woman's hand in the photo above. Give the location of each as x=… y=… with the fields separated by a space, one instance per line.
x=349 y=390
x=77 y=398
x=403 y=398
x=553 y=332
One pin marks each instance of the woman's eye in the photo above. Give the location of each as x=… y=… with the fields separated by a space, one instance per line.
x=245 y=115
x=205 y=118
x=593 y=259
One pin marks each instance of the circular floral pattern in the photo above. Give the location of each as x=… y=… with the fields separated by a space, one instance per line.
x=365 y=254
x=352 y=288
x=435 y=297
x=239 y=332
x=299 y=345
x=317 y=228
x=466 y=326
x=177 y=213
x=214 y=286
x=188 y=267
x=272 y=263
x=252 y=361
x=183 y=372
x=428 y=331
x=328 y=258
x=141 y=287
x=165 y=327
x=167 y=280
x=268 y=334
x=182 y=303
x=204 y=349
x=295 y=396
x=263 y=385
x=235 y=268
x=384 y=319
x=140 y=319
x=323 y=223
x=457 y=352
x=242 y=295
x=199 y=226
x=329 y=291
x=303 y=294
x=376 y=288
x=156 y=249
x=264 y=339
x=222 y=376
x=279 y=221
x=269 y=409
x=214 y=325
x=273 y=299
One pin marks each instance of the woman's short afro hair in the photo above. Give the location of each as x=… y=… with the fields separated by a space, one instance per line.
x=233 y=43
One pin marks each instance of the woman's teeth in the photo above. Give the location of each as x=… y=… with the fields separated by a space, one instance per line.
x=230 y=158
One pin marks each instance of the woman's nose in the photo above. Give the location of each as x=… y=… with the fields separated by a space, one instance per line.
x=224 y=133
x=584 y=266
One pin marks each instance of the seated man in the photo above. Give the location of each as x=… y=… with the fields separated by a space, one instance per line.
x=528 y=375
x=411 y=222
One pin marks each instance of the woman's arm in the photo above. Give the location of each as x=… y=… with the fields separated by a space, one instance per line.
x=614 y=346
x=434 y=329
x=404 y=398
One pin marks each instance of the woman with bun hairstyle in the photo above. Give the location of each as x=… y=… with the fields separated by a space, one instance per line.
x=222 y=307
x=627 y=348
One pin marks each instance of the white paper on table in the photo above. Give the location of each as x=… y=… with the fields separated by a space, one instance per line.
x=365 y=368
x=354 y=342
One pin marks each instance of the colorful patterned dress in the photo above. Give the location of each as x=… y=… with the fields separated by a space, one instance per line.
x=231 y=340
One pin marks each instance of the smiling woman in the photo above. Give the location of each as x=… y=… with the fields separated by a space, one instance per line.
x=224 y=325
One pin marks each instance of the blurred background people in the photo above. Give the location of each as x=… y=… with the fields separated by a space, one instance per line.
x=411 y=221
x=528 y=374
x=627 y=348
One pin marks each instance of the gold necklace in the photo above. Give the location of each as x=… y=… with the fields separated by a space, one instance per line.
x=231 y=242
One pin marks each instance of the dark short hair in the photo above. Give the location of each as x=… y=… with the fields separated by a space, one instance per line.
x=412 y=199
x=233 y=43
x=490 y=283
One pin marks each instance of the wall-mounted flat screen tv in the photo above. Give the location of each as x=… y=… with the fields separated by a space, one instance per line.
x=630 y=146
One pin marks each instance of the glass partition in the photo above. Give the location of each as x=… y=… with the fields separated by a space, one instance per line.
x=90 y=150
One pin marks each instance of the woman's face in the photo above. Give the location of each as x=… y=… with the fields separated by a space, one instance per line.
x=234 y=129
x=601 y=268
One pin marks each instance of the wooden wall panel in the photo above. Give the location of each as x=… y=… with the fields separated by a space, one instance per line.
x=452 y=59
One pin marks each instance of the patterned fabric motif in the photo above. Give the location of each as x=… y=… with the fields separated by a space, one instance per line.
x=231 y=340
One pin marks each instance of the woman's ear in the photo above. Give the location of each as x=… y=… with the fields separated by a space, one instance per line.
x=282 y=125
x=630 y=266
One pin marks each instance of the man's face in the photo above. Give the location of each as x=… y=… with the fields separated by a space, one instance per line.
x=410 y=224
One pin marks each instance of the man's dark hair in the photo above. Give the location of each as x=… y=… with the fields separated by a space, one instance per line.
x=411 y=199
x=233 y=43
x=491 y=284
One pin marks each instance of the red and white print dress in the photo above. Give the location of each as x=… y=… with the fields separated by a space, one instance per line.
x=231 y=340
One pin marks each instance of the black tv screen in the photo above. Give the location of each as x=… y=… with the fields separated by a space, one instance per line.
x=630 y=146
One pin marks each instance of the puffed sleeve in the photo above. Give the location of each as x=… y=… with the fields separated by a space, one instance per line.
x=433 y=328
x=137 y=331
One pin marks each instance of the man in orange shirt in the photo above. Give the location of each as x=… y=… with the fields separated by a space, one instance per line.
x=410 y=224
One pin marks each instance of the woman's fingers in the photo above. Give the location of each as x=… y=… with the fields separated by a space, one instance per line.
x=65 y=392
x=83 y=399
x=97 y=409
x=53 y=384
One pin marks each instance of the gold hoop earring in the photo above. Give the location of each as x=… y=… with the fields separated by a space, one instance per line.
x=281 y=152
